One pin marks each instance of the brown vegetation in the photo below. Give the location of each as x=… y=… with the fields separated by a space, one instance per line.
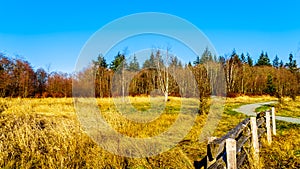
x=213 y=77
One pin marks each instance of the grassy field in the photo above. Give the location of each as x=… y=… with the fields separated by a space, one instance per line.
x=45 y=133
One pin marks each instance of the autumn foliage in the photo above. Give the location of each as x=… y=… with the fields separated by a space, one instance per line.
x=240 y=76
x=19 y=79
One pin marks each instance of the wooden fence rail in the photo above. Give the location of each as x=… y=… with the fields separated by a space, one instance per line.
x=244 y=138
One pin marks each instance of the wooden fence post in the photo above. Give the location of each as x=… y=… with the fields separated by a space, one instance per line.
x=209 y=163
x=255 y=143
x=273 y=121
x=268 y=125
x=231 y=153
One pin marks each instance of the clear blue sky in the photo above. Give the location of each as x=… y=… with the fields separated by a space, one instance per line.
x=53 y=32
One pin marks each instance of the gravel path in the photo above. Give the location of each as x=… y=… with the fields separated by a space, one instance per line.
x=249 y=110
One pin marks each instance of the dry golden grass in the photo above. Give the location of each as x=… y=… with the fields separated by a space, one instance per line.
x=284 y=152
x=289 y=107
x=238 y=101
x=45 y=133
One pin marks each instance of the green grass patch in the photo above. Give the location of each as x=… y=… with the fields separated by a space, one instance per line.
x=231 y=112
x=264 y=108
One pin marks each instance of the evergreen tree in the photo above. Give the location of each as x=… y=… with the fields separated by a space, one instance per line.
x=263 y=60
x=276 y=62
x=197 y=61
x=292 y=65
x=175 y=62
x=150 y=63
x=243 y=58
x=235 y=56
x=100 y=62
x=134 y=65
x=118 y=61
x=281 y=65
x=215 y=58
x=270 y=89
x=222 y=60
x=206 y=56
x=249 y=60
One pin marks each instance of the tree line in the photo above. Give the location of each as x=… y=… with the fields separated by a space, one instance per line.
x=19 y=79
x=160 y=74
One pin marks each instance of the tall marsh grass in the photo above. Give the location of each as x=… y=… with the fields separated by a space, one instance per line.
x=45 y=133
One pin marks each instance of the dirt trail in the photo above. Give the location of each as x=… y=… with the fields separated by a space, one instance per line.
x=249 y=110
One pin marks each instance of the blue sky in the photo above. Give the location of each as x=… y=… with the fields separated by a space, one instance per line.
x=53 y=32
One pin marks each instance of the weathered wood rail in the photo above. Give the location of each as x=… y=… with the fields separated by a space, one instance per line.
x=240 y=144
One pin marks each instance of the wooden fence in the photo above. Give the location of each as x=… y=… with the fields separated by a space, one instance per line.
x=240 y=144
